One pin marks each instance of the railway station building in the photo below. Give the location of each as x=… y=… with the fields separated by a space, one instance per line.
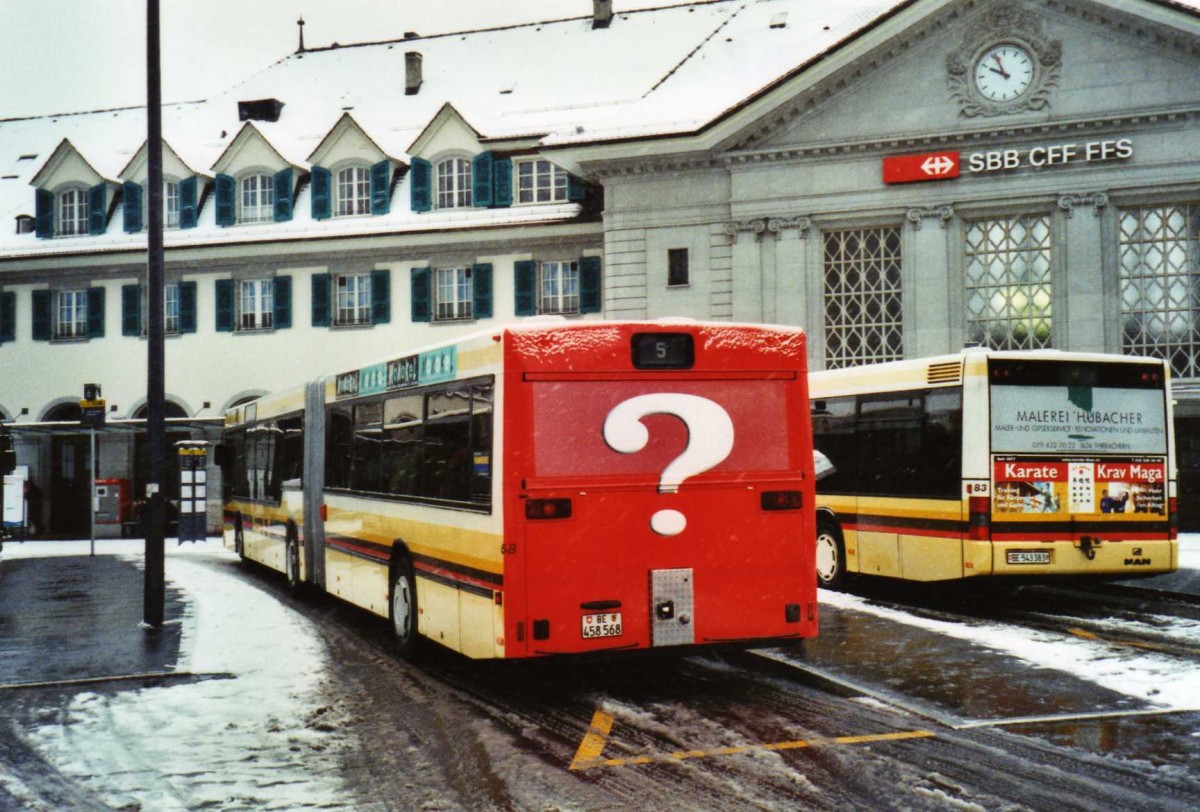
x=901 y=179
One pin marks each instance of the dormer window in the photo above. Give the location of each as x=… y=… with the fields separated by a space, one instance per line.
x=540 y=181
x=171 y=204
x=353 y=191
x=257 y=199
x=72 y=212
x=454 y=183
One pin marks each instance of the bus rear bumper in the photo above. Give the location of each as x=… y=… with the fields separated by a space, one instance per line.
x=1120 y=558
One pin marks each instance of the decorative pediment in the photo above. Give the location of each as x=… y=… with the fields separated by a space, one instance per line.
x=347 y=140
x=67 y=165
x=447 y=131
x=138 y=168
x=250 y=148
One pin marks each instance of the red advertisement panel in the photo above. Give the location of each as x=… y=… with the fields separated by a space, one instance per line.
x=1080 y=485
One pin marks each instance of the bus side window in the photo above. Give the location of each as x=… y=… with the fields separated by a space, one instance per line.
x=481 y=444
x=889 y=437
x=834 y=436
x=941 y=443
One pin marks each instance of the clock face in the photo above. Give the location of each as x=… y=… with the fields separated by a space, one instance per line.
x=1004 y=72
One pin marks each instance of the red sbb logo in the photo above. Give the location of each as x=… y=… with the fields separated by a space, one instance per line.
x=916 y=168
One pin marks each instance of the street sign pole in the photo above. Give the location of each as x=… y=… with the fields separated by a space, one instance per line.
x=156 y=434
x=92 y=506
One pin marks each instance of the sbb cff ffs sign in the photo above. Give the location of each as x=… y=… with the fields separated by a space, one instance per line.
x=916 y=168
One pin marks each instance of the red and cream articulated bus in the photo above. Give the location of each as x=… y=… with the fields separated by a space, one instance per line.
x=988 y=463
x=549 y=488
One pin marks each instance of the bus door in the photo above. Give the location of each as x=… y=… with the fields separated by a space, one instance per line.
x=642 y=526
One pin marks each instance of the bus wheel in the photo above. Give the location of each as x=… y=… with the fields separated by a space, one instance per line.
x=403 y=608
x=239 y=539
x=292 y=561
x=831 y=555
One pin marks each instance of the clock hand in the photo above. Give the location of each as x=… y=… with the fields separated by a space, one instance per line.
x=1000 y=72
x=1000 y=65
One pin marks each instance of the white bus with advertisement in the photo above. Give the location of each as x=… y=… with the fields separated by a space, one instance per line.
x=989 y=463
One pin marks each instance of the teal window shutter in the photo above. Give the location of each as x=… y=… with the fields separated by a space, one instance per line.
x=283 y=195
x=8 y=316
x=481 y=282
x=187 y=307
x=502 y=182
x=97 y=208
x=589 y=284
x=381 y=297
x=525 y=271
x=225 y=305
x=576 y=191
x=188 y=202
x=95 y=312
x=44 y=202
x=420 y=178
x=422 y=304
x=131 y=201
x=43 y=302
x=322 y=198
x=481 y=179
x=381 y=187
x=322 y=285
x=226 y=192
x=281 y=291
x=131 y=310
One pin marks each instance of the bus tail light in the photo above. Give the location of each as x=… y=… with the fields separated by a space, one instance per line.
x=1173 y=517
x=548 y=509
x=980 y=523
x=782 y=500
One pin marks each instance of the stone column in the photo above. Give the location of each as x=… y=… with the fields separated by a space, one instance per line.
x=1079 y=303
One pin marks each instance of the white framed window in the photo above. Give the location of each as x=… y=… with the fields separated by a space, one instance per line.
x=171 y=309
x=257 y=199
x=256 y=304
x=454 y=183
x=558 y=290
x=452 y=294
x=70 y=316
x=72 y=212
x=540 y=181
x=353 y=299
x=353 y=191
x=170 y=204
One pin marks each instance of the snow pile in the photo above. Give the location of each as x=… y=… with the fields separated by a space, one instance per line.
x=248 y=735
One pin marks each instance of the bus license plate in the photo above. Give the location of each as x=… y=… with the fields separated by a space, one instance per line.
x=606 y=624
x=1027 y=556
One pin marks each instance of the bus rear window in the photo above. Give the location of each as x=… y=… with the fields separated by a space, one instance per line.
x=1041 y=372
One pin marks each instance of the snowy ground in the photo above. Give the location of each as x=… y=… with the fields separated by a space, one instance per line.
x=252 y=737
x=248 y=738
x=1162 y=680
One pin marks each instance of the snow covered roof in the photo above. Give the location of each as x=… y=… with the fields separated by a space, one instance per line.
x=652 y=73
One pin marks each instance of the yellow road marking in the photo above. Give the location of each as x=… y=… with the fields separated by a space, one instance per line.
x=587 y=757
x=593 y=742
x=1086 y=635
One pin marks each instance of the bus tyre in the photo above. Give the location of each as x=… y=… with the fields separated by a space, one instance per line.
x=403 y=608
x=239 y=539
x=292 y=561
x=831 y=555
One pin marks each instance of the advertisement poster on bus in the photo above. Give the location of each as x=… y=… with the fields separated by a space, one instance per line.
x=1033 y=419
x=1079 y=485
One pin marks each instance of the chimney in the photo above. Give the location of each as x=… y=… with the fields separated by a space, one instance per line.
x=601 y=13
x=412 y=73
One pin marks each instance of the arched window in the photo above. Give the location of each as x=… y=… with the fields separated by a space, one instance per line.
x=257 y=199
x=454 y=183
x=353 y=191
x=72 y=212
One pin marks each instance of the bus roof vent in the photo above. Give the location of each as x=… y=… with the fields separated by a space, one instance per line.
x=946 y=372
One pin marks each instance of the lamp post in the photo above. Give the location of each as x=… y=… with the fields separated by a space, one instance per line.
x=156 y=434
